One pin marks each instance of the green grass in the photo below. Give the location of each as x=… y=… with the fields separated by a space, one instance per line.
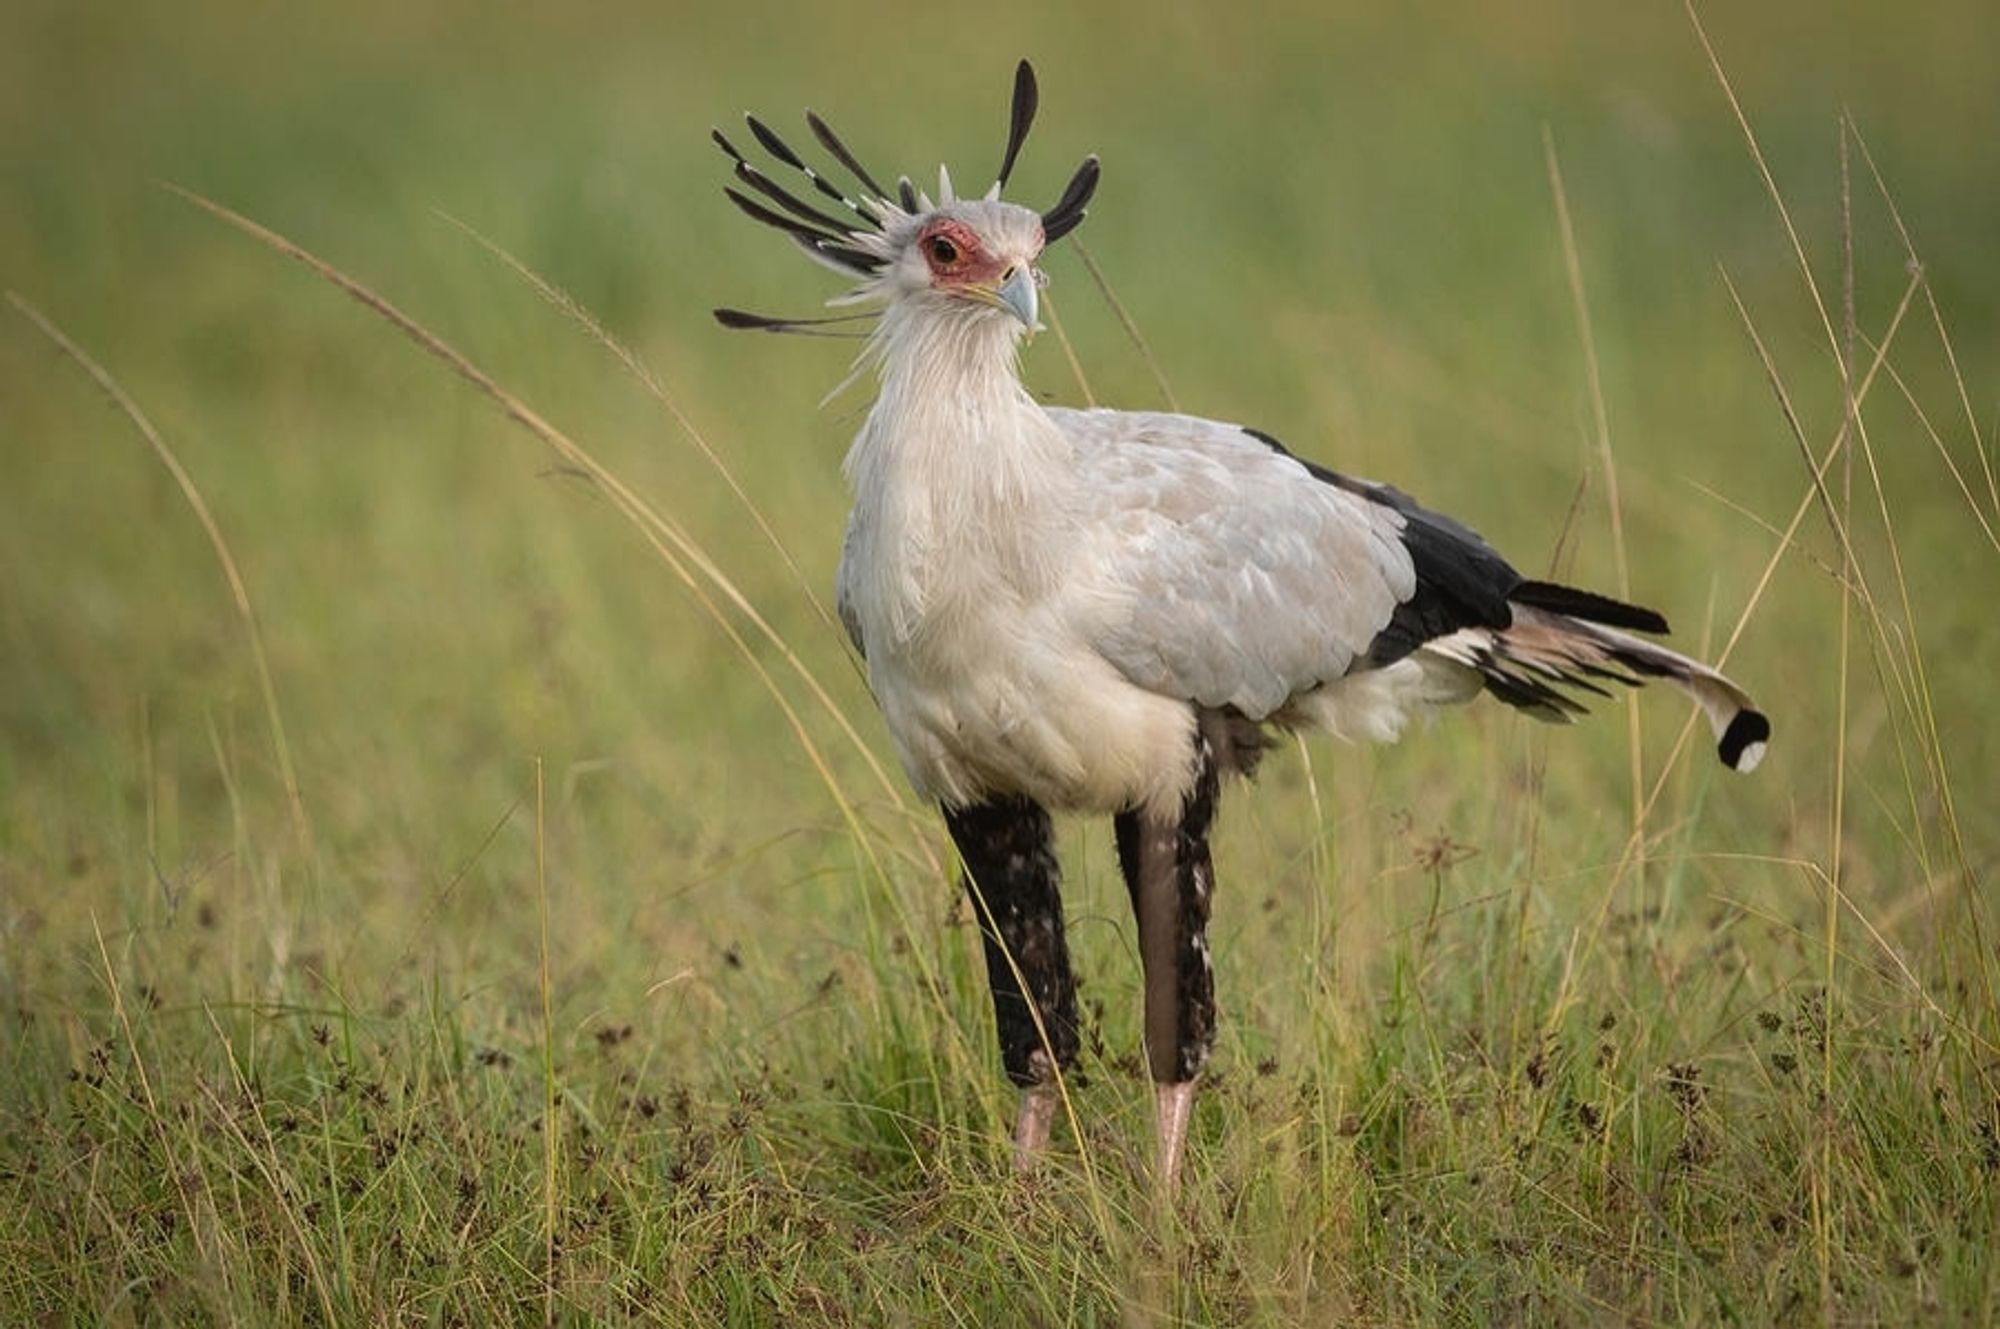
x=579 y=983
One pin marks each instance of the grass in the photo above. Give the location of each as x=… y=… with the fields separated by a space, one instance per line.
x=452 y=872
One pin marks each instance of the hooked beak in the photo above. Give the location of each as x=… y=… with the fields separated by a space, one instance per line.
x=1018 y=295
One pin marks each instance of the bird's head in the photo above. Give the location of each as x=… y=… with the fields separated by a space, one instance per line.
x=972 y=259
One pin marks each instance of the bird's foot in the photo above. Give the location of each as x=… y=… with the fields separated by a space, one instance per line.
x=1031 y=1127
x=1173 y=1107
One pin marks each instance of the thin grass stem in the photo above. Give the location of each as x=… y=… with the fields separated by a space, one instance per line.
x=238 y=591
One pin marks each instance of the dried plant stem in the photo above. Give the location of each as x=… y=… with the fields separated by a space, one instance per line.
x=551 y=1122
x=1126 y=322
x=1069 y=352
x=675 y=547
x=1601 y=421
x=238 y=591
x=566 y=305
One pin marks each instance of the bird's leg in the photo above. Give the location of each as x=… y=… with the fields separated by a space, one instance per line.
x=1031 y=1126
x=1014 y=881
x=1167 y=869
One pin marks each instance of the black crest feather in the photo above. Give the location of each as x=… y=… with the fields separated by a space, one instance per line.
x=834 y=239
x=1027 y=97
x=1070 y=209
x=831 y=142
x=799 y=208
x=834 y=247
x=756 y=211
x=745 y=171
x=774 y=145
x=725 y=145
x=744 y=320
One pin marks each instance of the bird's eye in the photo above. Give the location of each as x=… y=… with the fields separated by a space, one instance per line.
x=942 y=251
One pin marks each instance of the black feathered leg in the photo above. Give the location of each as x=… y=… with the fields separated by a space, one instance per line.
x=1014 y=880
x=1171 y=878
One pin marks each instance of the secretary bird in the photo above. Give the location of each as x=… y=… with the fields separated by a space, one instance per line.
x=1102 y=611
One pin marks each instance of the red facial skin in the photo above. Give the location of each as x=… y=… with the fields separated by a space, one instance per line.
x=956 y=257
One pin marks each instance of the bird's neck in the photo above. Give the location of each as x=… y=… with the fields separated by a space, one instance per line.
x=954 y=431
x=963 y=485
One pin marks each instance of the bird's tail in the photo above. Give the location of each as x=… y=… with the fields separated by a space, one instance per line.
x=1562 y=638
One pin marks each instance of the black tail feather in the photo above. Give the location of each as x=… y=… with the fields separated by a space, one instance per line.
x=1750 y=729
x=1526 y=662
x=1588 y=606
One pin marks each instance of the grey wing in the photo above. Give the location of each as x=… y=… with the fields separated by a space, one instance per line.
x=1235 y=576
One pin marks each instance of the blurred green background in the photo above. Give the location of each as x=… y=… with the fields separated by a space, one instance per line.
x=1334 y=225
x=1334 y=222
